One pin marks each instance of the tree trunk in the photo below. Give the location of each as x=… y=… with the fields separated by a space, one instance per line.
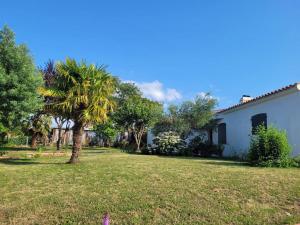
x=58 y=143
x=138 y=143
x=77 y=141
x=138 y=135
x=2 y=137
x=34 y=140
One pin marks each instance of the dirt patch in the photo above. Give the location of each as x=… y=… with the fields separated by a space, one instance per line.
x=34 y=154
x=55 y=154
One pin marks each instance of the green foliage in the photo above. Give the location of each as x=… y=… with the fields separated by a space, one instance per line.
x=107 y=132
x=83 y=91
x=269 y=147
x=169 y=143
x=297 y=161
x=199 y=112
x=16 y=140
x=171 y=121
x=187 y=117
x=137 y=114
x=126 y=91
x=39 y=124
x=50 y=74
x=19 y=80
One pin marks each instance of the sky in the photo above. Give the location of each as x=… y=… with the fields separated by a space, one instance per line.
x=173 y=50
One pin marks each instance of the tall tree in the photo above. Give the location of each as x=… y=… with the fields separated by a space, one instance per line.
x=171 y=121
x=137 y=114
x=19 y=80
x=188 y=116
x=60 y=115
x=125 y=91
x=199 y=112
x=85 y=92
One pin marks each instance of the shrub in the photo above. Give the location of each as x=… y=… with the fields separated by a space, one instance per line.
x=297 y=161
x=269 y=147
x=199 y=147
x=169 y=143
x=16 y=141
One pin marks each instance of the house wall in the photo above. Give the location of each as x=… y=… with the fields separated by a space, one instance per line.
x=283 y=111
x=150 y=137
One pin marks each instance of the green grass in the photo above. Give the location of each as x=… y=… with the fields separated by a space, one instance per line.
x=137 y=189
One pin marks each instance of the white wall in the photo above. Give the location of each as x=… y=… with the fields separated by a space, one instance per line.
x=283 y=112
x=150 y=137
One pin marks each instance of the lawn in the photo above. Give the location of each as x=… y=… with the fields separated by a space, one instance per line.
x=138 y=189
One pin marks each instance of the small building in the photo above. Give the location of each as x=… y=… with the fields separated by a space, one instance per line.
x=279 y=108
x=67 y=136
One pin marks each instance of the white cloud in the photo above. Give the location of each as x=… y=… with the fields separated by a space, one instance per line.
x=156 y=91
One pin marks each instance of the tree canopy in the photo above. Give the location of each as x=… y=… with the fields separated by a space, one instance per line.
x=188 y=116
x=61 y=115
x=107 y=132
x=19 y=80
x=86 y=92
x=137 y=114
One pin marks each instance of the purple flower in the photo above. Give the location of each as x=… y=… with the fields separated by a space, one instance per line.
x=106 y=219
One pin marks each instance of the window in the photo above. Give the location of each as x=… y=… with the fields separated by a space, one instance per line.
x=222 y=134
x=257 y=120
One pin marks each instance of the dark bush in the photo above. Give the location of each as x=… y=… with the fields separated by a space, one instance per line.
x=269 y=147
x=198 y=147
x=297 y=161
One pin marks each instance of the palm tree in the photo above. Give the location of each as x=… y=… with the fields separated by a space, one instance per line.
x=60 y=116
x=39 y=126
x=85 y=92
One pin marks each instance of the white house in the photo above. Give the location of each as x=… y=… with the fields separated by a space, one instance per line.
x=280 y=108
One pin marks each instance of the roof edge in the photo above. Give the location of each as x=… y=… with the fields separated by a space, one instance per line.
x=295 y=86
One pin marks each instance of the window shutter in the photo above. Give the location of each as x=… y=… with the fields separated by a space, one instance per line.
x=257 y=120
x=222 y=139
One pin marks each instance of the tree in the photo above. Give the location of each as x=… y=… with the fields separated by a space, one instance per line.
x=187 y=117
x=19 y=81
x=126 y=91
x=59 y=114
x=171 y=121
x=137 y=114
x=107 y=132
x=39 y=126
x=199 y=112
x=86 y=92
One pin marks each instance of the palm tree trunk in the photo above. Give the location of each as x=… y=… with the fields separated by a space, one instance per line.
x=34 y=140
x=58 y=143
x=77 y=141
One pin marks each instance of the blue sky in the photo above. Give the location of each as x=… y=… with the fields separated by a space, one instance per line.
x=172 y=49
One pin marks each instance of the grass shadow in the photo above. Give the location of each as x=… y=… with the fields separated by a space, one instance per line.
x=22 y=162
x=16 y=149
x=228 y=163
x=211 y=161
